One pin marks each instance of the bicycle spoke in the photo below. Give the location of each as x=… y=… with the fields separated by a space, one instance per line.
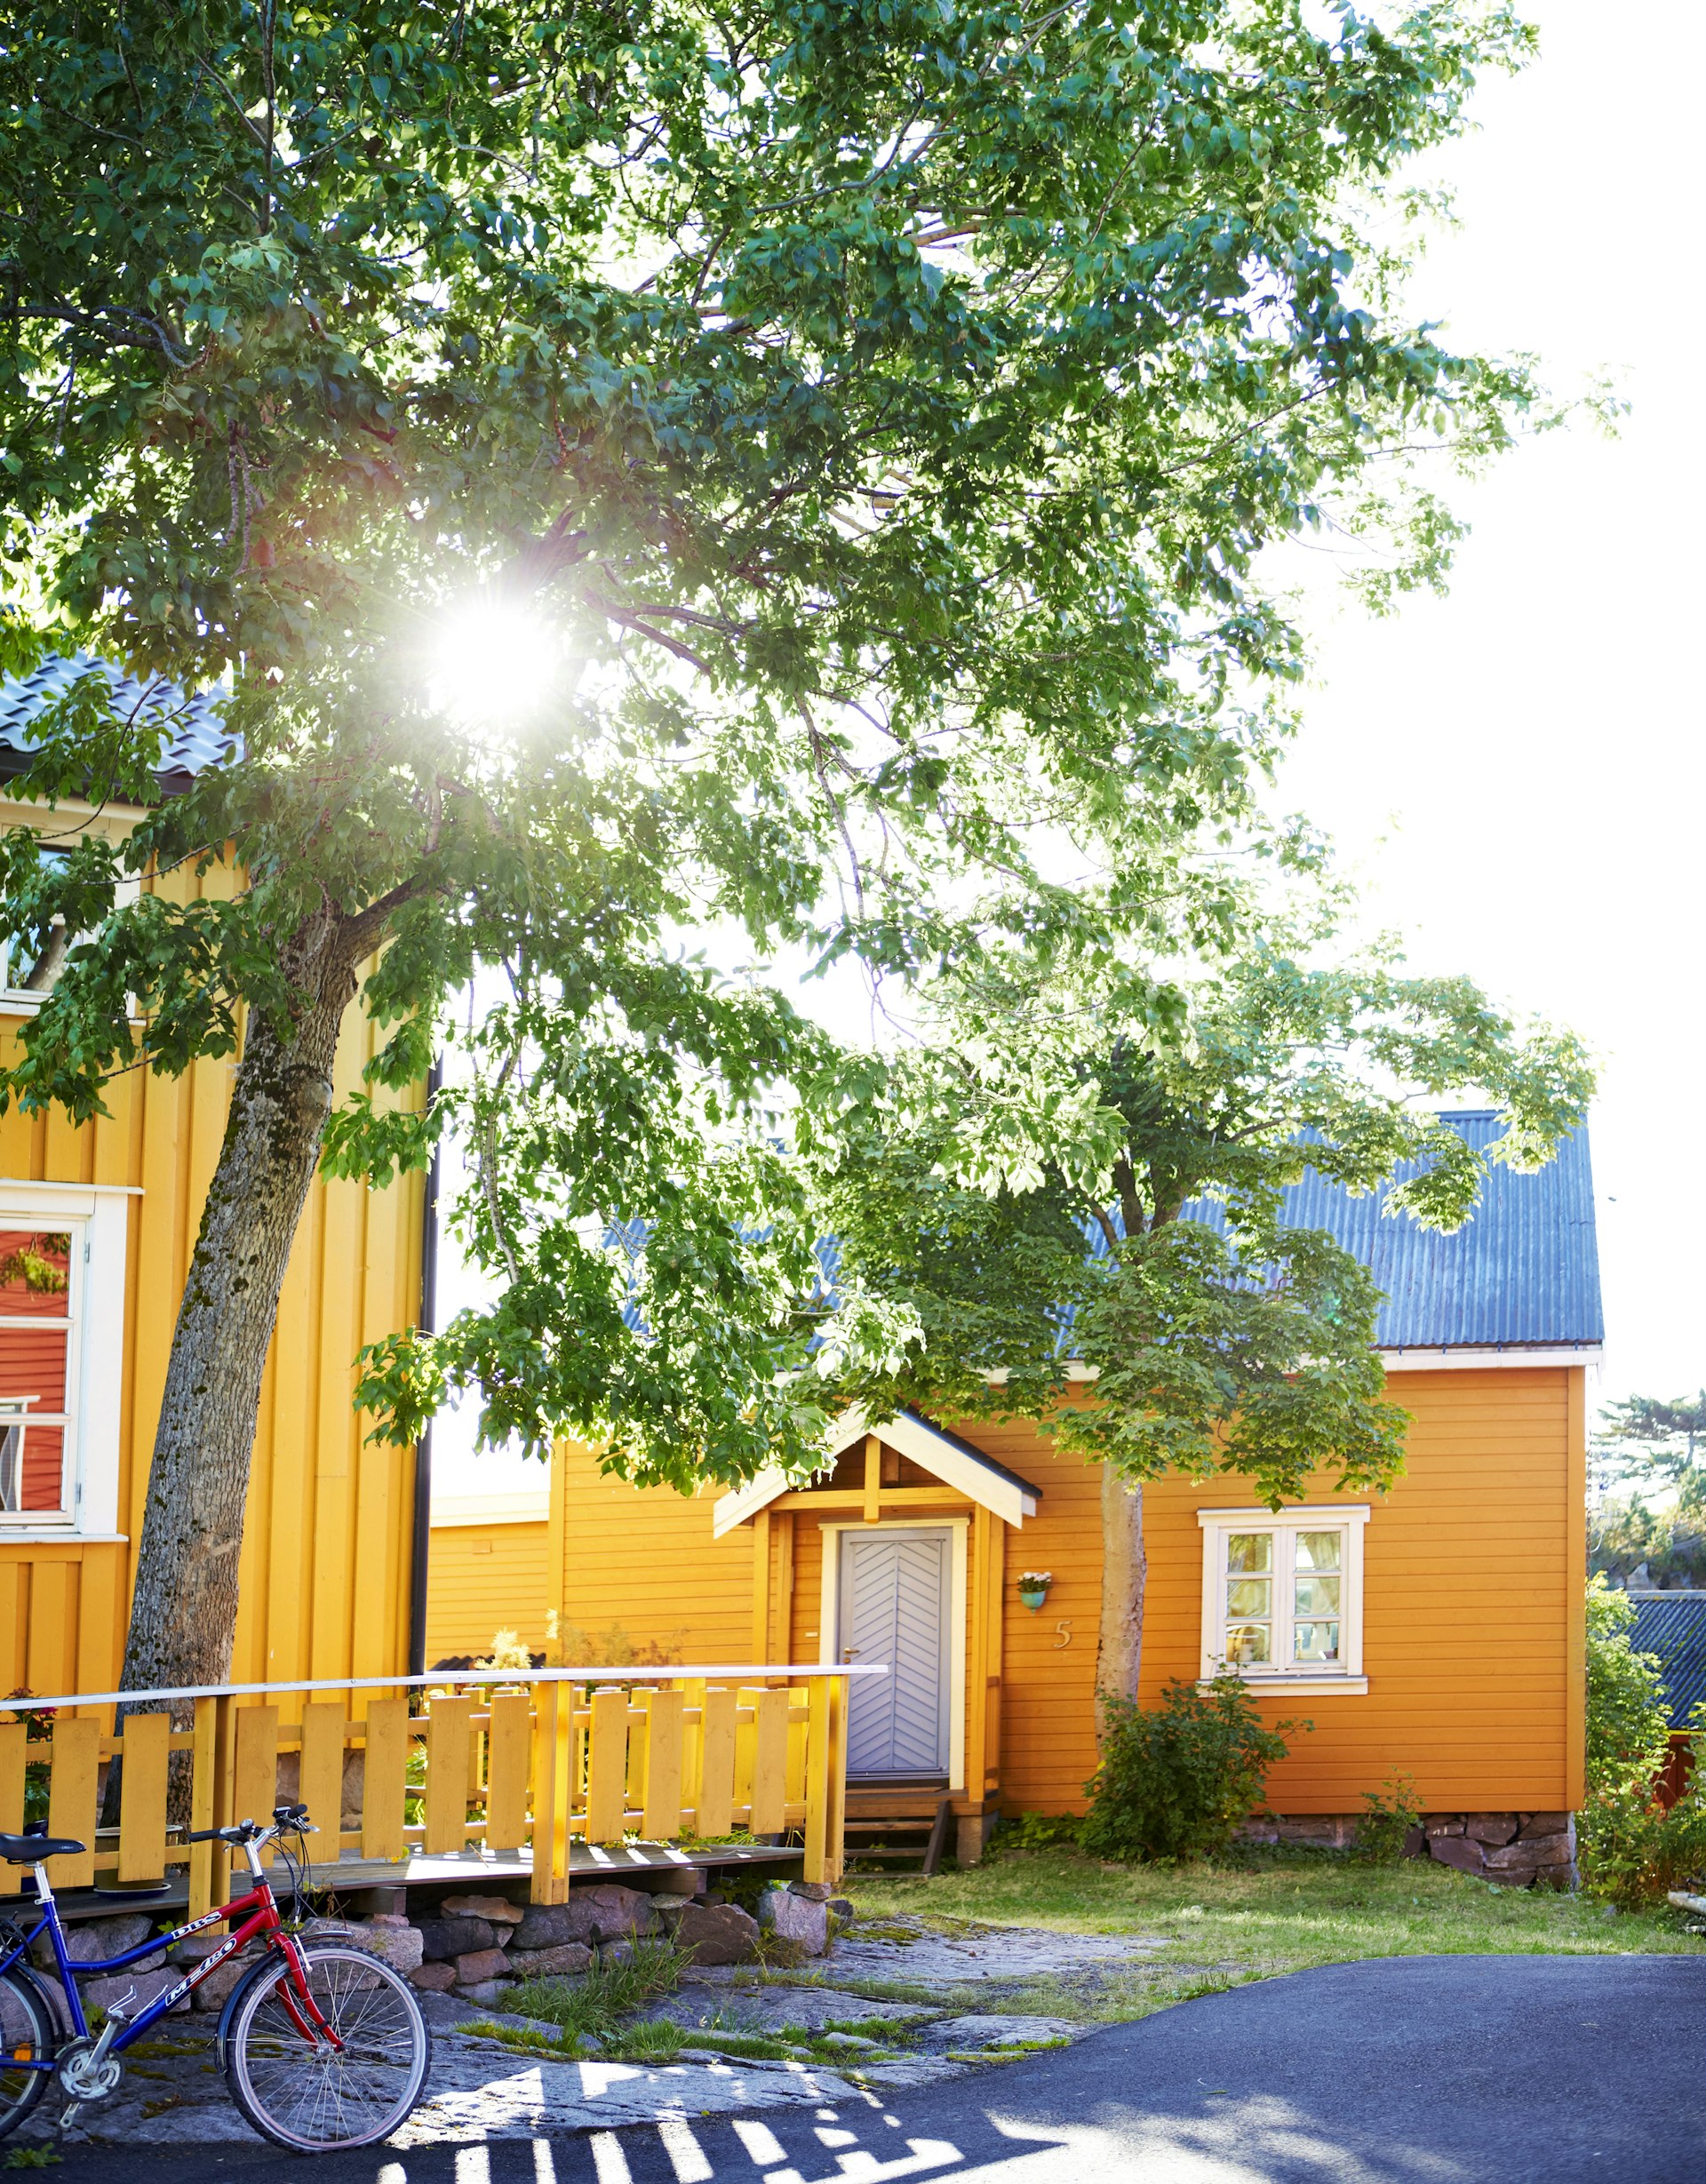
x=308 y=2092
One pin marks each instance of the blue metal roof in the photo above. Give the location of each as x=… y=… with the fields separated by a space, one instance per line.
x=1672 y=1626
x=1523 y=1272
x=198 y=739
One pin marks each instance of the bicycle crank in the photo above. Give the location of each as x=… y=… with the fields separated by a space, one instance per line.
x=85 y=2071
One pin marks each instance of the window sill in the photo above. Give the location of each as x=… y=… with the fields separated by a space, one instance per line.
x=1300 y=1686
x=59 y=1534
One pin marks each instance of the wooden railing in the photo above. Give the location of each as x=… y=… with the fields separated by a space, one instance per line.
x=517 y=1766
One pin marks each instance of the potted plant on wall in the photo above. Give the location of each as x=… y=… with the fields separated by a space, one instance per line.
x=1034 y=1587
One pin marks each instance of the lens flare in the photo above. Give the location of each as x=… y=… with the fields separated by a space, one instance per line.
x=495 y=664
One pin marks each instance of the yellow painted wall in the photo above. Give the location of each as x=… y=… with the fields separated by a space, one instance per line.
x=1472 y=1585
x=487 y=1577
x=325 y=1561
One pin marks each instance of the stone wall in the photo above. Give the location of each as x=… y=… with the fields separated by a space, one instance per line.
x=1516 y=1850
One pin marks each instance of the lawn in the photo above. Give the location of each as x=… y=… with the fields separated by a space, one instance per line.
x=1261 y=1913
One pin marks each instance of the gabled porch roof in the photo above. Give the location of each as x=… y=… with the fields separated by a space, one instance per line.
x=943 y=1454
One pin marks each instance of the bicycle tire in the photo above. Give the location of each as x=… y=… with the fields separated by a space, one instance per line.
x=28 y=2032
x=294 y=2092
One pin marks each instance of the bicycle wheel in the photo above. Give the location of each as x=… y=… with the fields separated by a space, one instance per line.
x=26 y=2036
x=302 y=2093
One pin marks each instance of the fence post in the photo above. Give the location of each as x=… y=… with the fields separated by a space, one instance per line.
x=552 y=1751
x=818 y=1700
x=834 y=1850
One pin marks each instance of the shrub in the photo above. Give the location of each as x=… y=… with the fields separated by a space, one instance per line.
x=1629 y=1849
x=1384 y=1829
x=1174 y=1780
x=1040 y=1831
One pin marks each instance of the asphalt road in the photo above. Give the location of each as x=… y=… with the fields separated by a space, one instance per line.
x=1413 y=2070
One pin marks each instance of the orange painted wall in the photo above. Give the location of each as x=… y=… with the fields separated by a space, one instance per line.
x=324 y=1571
x=1473 y=1577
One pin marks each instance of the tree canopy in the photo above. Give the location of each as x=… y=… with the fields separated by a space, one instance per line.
x=872 y=418
x=1231 y=1340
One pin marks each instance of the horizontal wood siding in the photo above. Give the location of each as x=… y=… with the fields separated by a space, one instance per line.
x=640 y=1565
x=324 y=1510
x=484 y=1579
x=1468 y=1592
x=1469 y=1589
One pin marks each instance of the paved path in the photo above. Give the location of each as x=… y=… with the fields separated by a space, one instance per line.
x=1412 y=2070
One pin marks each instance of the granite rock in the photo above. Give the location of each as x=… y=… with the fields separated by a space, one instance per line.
x=718 y=1933
x=479 y=1965
x=92 y=1940
x=433 y=1979
x=1498 y=1828
x=483 y=1990
x=814 y=1892
x=795 y=1919
x=497 y=1910
x=562 y=1962
x=133 y=1991
x=455 y=1937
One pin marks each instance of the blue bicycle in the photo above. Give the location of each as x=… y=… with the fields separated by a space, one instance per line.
x=321 y=2044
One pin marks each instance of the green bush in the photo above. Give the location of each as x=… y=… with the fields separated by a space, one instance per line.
x=1040 y=1831
x=1174 y=1780
x=1630 y=1850
x=1384 y=1827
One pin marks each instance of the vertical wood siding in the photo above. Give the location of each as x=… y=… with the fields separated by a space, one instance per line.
x=321 y=1507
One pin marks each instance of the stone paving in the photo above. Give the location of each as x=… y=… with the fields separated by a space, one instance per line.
x=481 y=2088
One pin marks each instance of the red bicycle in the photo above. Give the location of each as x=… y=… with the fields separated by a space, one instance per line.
x=321 y=2046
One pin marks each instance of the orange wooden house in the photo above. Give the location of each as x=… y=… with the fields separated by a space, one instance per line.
x=1436 y=1630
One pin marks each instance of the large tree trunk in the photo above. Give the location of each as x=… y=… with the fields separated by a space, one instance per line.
x=184 y=1611
x=1119 y=1645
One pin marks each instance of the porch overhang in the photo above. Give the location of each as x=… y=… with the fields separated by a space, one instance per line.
x=968 y=1471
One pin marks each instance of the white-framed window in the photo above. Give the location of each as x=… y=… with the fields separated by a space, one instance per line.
x=29 y=975
x=62 y=1249
x=1283 y=1596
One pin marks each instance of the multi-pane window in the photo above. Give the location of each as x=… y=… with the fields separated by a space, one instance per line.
x=1281 y=1593
x=39 y=1282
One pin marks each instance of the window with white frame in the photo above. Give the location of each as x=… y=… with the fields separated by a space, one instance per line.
x=62 y=1250
x=1282 y=1595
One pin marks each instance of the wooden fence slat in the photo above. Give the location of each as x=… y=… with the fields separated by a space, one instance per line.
x=607 y=1768
x=385 y=1779
x=14 y=1742
x=770 y=1762
x=147 y=1747
x=320 y=1779
x=745 y=1751
x=716 y=1814
x=555 y=1749
x=204 y=1801
x=816 y=1791
x=254 y=1773
x=449 y=1733
x=834 y=1853
x=507 y=1757
x=692 y=1691
x=662 y=1815
x=633 y=1796
x=71 y=1800
x=799 y=1727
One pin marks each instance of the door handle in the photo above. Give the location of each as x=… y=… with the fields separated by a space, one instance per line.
x=851 y=1653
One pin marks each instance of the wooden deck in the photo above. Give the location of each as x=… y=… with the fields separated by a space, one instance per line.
x=465 y=1872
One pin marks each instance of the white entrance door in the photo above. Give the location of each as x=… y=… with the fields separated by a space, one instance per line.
x=894 y=1610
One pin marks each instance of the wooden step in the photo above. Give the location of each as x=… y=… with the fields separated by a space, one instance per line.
x=933 y=1832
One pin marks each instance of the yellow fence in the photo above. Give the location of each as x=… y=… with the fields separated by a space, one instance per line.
x=515 y=1767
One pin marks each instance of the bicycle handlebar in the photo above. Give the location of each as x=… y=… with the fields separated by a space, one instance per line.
x=287 y=1820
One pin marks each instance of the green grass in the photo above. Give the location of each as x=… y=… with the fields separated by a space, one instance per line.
x=1253 y=1916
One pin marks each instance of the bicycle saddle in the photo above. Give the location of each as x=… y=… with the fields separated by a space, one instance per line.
x=27 y=1850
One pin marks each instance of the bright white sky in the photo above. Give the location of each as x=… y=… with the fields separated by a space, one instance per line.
x=1516 y=772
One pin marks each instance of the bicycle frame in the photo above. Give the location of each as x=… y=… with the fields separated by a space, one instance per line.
x=258 y=1910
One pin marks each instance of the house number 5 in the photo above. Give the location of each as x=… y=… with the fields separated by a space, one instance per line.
x=1065 y=1638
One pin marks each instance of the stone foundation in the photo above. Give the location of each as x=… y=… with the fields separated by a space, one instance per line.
x=1513 y=1850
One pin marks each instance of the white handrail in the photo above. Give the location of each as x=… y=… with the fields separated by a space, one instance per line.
x=445 y=1675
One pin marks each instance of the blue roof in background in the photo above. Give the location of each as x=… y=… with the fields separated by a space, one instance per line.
x=1672 y=1625
x=1522 y=1272
x=198 y=739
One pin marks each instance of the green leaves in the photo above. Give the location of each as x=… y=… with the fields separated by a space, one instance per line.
x=884 y=414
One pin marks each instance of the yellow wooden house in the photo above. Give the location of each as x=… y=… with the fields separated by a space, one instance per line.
x=1436 y=1630
x=96 y=1229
